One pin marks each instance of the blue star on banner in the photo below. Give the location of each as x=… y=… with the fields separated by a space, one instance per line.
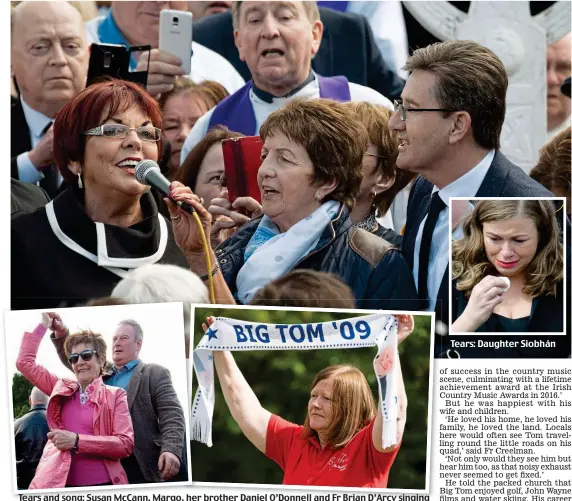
x=211 y=334
x=211 y=357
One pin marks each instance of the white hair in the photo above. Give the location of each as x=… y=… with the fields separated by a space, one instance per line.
x=136 y=327
x=38 y=397
x=163 y=283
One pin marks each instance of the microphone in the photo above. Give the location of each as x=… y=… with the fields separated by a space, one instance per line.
x=148 y=172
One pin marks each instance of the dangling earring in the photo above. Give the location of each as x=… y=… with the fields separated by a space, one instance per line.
x=374 y=194
x=79 y=182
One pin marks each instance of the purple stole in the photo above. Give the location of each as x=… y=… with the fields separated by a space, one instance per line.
x=236 y=112
x=335 y=5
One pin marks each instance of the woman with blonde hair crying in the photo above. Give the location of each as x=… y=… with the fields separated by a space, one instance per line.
x=508 y=269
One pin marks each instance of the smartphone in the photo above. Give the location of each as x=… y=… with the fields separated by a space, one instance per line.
x=111 y=60
x=241 y=157
x=176 y=35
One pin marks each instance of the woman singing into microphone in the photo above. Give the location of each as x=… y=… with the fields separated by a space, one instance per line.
x=105 y=222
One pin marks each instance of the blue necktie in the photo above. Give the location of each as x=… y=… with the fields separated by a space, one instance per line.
x=435 y=208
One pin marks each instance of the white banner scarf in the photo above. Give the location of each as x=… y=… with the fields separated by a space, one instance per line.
x=229 y=334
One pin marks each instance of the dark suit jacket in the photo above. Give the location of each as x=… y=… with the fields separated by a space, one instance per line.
x=26 y=197
x=503 y=179
x=156 y=413
x=19 y=135
x=30 y=437
x=20 y=143
x=348 y=48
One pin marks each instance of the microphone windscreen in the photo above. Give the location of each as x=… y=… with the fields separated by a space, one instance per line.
x=143 y=168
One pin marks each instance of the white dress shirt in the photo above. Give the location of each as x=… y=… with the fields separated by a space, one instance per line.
x=37 y=122
x=466 y=186
x=262 y=109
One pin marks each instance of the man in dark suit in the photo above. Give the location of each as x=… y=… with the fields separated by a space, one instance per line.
x=449 y=124
x=49 y=60
x=348 y=48
x=157 y=415
x=30 y=437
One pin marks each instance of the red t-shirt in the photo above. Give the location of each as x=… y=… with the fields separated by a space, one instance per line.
x=357 y=464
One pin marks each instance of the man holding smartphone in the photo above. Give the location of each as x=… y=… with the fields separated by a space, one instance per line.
x=137 y=23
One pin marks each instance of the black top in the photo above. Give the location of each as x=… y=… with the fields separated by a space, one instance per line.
x=73 y=259
x=511 y=324
x=30 y=437
x=546 y=314
x=545 y=317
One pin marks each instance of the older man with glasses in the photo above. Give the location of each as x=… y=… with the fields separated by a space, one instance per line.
x=49 y=60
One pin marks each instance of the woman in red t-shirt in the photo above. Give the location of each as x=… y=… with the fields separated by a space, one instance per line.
x=340 y=443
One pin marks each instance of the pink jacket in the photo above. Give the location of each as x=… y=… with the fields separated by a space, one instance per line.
x=113 y=431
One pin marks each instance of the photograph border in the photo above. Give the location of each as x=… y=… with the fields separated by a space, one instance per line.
x=95 y=489
x=356 y=490
x=450 y=277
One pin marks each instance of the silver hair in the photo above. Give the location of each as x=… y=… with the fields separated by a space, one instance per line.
x=136 y=327
x=163 y=283
x=38 y=397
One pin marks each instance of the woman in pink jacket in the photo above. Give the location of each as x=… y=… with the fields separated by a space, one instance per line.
x=90 y=425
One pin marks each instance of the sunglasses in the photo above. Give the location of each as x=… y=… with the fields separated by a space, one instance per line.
x=86 y=356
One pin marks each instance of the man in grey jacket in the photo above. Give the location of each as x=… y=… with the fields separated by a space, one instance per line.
x=157 y=415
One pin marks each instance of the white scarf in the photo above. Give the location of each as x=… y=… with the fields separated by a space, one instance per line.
x=278 y=254
x=228 y=334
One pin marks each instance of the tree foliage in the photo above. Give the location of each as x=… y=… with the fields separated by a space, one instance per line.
x=282 y=379
x=21 y=389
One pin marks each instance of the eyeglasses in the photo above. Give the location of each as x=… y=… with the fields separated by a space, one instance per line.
x=119 y=131
x=86 y=356
x=402 y=110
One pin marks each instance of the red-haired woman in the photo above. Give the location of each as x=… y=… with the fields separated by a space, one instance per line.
x=340 y=443
x=83 y=242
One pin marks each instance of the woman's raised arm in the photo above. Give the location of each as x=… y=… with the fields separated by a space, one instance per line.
x=243 y=404
x=38 y=375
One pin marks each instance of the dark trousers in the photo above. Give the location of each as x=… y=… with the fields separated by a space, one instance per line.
x=133 y=471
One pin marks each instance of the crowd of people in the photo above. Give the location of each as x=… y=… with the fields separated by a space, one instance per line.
x=354 y=128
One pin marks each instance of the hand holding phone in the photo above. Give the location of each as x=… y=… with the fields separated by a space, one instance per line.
x=241 y=163
x=112 y=60
x=176 y=35
x=163 y=69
